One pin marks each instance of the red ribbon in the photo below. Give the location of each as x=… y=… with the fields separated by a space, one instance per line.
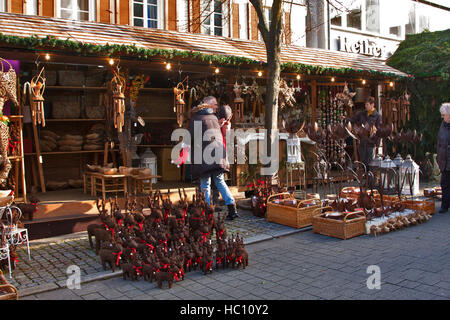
x=219 y=260
x=165 y=244
x=166 y=266
x=138 y=270
x=118 y=254
x=220 y=233
x=140 y=225
x=238 y=259
x=208 y=265
x=204 y=236
x=198 y=260
x=189 y=263
x=175 y=276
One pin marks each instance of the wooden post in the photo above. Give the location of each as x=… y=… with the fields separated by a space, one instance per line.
x=313 y=100
x=38 y=152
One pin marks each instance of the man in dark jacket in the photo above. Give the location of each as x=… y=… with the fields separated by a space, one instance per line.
x=443 y=155
x=208 y=153
x=370 y=116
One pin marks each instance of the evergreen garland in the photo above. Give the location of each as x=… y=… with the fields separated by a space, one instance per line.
x=116 y=50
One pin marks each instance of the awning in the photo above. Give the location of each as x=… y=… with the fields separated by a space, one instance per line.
x=36 y=32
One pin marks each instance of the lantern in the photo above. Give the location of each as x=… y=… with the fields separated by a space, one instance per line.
x=148 y=160
x=179 y=104
x=409 y=173
x=388 y=175
x=294 y=154
x=238 y=103
x=374 y=167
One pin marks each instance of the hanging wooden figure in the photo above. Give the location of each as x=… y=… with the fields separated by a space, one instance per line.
x=238 y=103
x=8 y=84
x=179 y=104
x=37 y=88
x=118 y=89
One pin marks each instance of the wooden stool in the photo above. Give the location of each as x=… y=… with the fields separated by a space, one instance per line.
x=88 y=183
x=143 y=184
x=109 y=183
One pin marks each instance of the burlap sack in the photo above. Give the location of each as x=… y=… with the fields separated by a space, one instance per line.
x=66 y=107
x=94 y=109
x=49 y=133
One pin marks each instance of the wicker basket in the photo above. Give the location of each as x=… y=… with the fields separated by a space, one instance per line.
x=352 y=225
x=7 y=291
x=426 y=205
x=295 y=217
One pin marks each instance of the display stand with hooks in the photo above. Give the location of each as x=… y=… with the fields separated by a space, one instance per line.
x=35 y=90
x=8 y=91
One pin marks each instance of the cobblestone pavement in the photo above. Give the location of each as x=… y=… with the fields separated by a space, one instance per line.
x=50 y=258
x=414 y=263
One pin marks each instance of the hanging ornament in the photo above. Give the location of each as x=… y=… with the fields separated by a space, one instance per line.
x=37 y=88
x=238 y=102
x=179 y=104
x=8 y=84
x=345 y=98
x=118 y=89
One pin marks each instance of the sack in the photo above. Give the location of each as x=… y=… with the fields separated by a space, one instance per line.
x=65 y=107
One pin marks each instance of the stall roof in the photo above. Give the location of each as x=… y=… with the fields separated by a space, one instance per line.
x=15 y=27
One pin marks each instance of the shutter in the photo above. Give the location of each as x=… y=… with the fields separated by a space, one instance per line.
x=195 y=20
x=17 y=6
x=253 y=23
x=104 y=13
x=48 y=8
x=235 y=20
x=172 y=15
x=287 y=28
x=124 y=11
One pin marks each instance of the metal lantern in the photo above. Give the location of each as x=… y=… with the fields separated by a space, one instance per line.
x=179 y=104
x=388 y=175
x=374 y=167
x=148 y=160
x=409 y=173
x=294 y=154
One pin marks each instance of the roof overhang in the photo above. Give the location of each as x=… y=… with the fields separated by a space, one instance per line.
x=91 y=38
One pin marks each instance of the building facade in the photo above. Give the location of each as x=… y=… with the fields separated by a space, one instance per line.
x=376 y=27
x=226 y=18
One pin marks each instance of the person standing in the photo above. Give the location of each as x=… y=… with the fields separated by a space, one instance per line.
x=203 y=169
x=370 y=116
x=443 y=155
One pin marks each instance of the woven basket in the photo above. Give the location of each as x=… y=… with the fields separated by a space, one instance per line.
x=295 y=217
x=352 y=225
x=7 y=290
x=426 y=205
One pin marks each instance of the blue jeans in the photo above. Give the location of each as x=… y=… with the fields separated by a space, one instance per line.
x=219 y=180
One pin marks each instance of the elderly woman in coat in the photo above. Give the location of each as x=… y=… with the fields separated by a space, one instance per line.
x=443 y=155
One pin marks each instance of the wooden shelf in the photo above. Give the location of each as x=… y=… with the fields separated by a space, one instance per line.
x=15 y=117
x=74 y=88
x=68 y=152
x=72 y=120
x=155 y=145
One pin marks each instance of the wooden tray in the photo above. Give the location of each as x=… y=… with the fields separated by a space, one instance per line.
x=295 y=217
x=352 y=225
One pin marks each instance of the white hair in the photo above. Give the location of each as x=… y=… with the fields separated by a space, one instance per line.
x=445 y=108
x=209 y=99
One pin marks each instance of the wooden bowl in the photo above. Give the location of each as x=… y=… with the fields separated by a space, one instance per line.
x=109 y=171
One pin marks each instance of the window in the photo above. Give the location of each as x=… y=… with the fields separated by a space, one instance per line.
x=83 y=10
x=2 y=5
x=354 y=17
x=31 y=7
x=373 y=16
x=335 y=17
x=148 y=13
x=410 y=27
x=212 y=20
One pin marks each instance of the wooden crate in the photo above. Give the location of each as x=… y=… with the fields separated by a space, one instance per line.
x=352 y=225
x=295 y=217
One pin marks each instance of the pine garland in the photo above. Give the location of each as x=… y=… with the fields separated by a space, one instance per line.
x=116 y=50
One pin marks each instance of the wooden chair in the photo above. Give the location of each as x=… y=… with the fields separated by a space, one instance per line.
x=7 y=290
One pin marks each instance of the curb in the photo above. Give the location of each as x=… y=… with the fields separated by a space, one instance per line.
x=103 y=275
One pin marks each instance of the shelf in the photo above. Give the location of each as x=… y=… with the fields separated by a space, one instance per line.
x=15 y=117
x=155 y=145
x=72 y=120
x=68 y=152
x=74 y=88
x=158 y=118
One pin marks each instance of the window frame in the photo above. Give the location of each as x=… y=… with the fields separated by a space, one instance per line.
x=211 y=15
x=159 y=10
x=92 y=17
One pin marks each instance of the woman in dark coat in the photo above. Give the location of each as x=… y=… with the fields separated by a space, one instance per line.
x=443 y=155
x=208 y=158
